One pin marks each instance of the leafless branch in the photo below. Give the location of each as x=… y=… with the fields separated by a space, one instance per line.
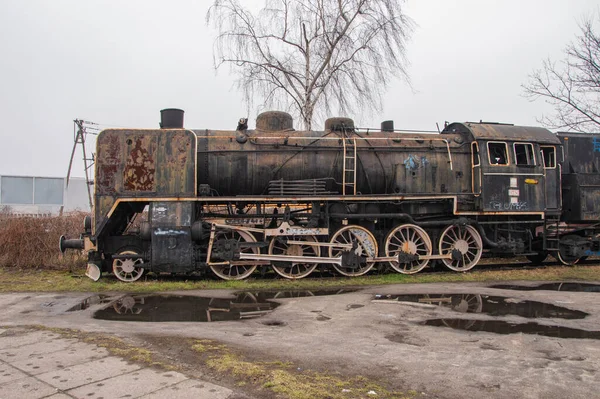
x=313 y=56
x=572 y=85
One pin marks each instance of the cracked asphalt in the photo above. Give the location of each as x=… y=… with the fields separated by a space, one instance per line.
x=369 y=332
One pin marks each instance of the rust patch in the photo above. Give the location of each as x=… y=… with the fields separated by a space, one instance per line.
x=106 y=179
x=140 y=166
x=177 y=170
x=109 y=158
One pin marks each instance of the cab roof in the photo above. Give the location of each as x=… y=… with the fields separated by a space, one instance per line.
x=503 y=132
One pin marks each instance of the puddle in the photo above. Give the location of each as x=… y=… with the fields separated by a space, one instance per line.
x=492 y=305
x=162 y=308
x=354 y=306
x=89 y=301
x=574 y=287
x=502 y=327
x=172 y=308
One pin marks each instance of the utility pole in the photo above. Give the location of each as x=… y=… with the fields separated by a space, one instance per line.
x=80 y=132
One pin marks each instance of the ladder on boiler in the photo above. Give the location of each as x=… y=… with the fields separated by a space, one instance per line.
x=349 y=166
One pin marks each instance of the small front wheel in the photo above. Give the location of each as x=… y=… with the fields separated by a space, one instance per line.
x=128 y=269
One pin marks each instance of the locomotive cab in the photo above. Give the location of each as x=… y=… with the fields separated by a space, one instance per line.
x=514 y=168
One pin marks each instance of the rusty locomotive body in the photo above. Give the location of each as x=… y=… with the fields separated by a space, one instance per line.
x=347 y=198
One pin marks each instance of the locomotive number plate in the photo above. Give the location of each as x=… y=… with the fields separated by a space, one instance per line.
x=513 y=193
x=244 y=221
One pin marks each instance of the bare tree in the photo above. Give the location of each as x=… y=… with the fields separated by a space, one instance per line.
x=312 y=56
x=571 y=85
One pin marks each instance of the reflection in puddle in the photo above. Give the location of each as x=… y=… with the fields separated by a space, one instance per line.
x=574 y=287
x=306 y=293
x=502 y=327
x=492 y=305
x=157 y=308
x=164 y=308
x=89 y=301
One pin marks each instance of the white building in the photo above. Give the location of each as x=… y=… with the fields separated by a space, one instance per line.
x=36 y=195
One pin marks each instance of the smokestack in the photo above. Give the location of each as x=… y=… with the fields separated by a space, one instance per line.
x=171 y=118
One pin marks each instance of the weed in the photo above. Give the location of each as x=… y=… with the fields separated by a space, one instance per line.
x=282 y=378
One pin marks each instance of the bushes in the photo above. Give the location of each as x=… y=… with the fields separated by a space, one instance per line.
x=32 y=242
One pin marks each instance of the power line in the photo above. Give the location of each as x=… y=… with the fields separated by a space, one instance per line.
x=80 y=133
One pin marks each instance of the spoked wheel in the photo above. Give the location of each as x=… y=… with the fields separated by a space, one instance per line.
x=235 y=271
x=562 y=255
x=128 y=269
x=412 y=240
x=537 y=258
x=293 y=270
x=467 y=241
x=366 y=245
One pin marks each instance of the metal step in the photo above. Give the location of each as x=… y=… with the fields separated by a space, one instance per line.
x=349 y=171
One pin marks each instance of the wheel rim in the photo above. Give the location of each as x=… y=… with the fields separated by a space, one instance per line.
x=235 y=271
x=410 y=239
x=128 y=269
x=562 y=252
x=293 y=270
x=367 y=245
x=467 y=241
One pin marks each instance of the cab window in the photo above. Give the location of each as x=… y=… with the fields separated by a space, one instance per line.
x=549 y=157
x=524 y=154
x=498 y=153
x=475 y=154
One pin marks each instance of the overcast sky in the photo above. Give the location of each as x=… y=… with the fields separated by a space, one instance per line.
x=118 y=63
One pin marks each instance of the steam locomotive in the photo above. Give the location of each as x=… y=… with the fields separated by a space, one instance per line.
x=348 y=198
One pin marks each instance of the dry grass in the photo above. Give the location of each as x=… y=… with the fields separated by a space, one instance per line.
x=32 y=242
x=288 y=381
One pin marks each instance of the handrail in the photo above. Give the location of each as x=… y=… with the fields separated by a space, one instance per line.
x=445 y=141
